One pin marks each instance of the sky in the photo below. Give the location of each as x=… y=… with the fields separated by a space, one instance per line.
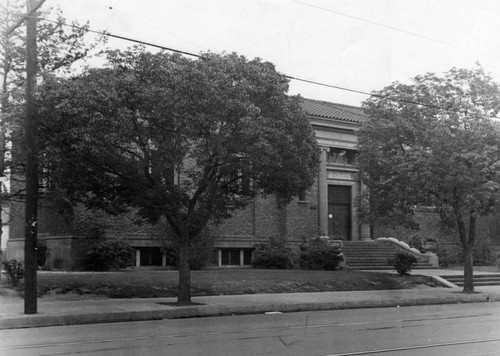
x=362 y=45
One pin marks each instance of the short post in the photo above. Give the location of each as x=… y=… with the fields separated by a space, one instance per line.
x=137 y=257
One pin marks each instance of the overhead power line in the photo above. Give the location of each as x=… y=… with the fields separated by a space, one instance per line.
x=108 y=34
x=388 y=97
x=393 y=28
x=309 y=81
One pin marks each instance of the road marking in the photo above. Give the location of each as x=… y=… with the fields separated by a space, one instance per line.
x=408 y=348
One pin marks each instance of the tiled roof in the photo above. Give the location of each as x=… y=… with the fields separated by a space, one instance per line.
x=327 y=110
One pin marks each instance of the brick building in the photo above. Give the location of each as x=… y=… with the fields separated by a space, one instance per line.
x=326 y=209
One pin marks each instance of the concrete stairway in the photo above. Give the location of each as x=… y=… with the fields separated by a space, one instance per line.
x=479 y=280
x=372 y=255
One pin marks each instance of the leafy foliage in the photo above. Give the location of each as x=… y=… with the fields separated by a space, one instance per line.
x=403 y=263
x=443 y=153
x=58 y=48
x=15 y=272
x=201 y=253
x=483 y=255
x=449 y=255
x=108 y=255
x=452 y=254
x=275 y=254
x=416 y=241
x=318 y=254
x=151 y=120
x=187 y=140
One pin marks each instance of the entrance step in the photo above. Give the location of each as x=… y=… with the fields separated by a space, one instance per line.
x=479 y=280
x=373 y=255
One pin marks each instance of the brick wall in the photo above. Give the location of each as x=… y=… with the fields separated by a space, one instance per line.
x=302 y=216
x=263 y=219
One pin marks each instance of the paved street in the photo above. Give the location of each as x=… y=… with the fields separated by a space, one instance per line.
x=458 y=329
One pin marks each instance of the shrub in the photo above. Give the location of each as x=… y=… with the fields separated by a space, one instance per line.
x=108 y=255
x=200 y=255
x=483 y=255
x=403 y=262
x=171 y=255
x=274 y=253
x=417 y=242
x=448 y=255
x=15 y=272
x=452 y=254
x=317 y=254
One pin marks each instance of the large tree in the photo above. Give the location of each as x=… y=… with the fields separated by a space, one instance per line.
x=59 y=47
x=434 y=143
x=180 y=139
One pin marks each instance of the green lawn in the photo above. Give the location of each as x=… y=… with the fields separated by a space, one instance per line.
x=148 y=283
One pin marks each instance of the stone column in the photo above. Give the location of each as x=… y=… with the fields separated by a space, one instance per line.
x=137 y=257
x=323 y=193
x=164 y=258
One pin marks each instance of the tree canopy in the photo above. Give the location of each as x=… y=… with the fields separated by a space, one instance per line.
x=59 y=47
x=434 y=143
x=186 y=140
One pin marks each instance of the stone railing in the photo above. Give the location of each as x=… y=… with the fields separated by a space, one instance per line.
x=428 y=257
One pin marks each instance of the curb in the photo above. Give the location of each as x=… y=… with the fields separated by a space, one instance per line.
x=40 y=320
x=37 y=321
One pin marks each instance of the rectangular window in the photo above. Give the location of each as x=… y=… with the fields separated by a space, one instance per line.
x=232 y=257
x=151 y=256
x=342 y=156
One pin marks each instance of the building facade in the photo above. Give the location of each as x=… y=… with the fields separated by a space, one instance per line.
x=327 y=208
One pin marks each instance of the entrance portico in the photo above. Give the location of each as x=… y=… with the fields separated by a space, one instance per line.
x=336 y=129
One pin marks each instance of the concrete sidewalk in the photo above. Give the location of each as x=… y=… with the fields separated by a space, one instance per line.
x=53 y=313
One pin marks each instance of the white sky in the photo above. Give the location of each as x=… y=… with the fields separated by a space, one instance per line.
x=310 y=39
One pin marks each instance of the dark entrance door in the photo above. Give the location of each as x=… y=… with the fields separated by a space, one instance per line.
x=339 y=212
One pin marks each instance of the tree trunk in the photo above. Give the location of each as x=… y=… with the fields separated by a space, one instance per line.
x=184 y=291
x=468 y=270
x=467 y=240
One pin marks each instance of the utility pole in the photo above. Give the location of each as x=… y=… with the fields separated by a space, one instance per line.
x=31 y=151
x=31 y=156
